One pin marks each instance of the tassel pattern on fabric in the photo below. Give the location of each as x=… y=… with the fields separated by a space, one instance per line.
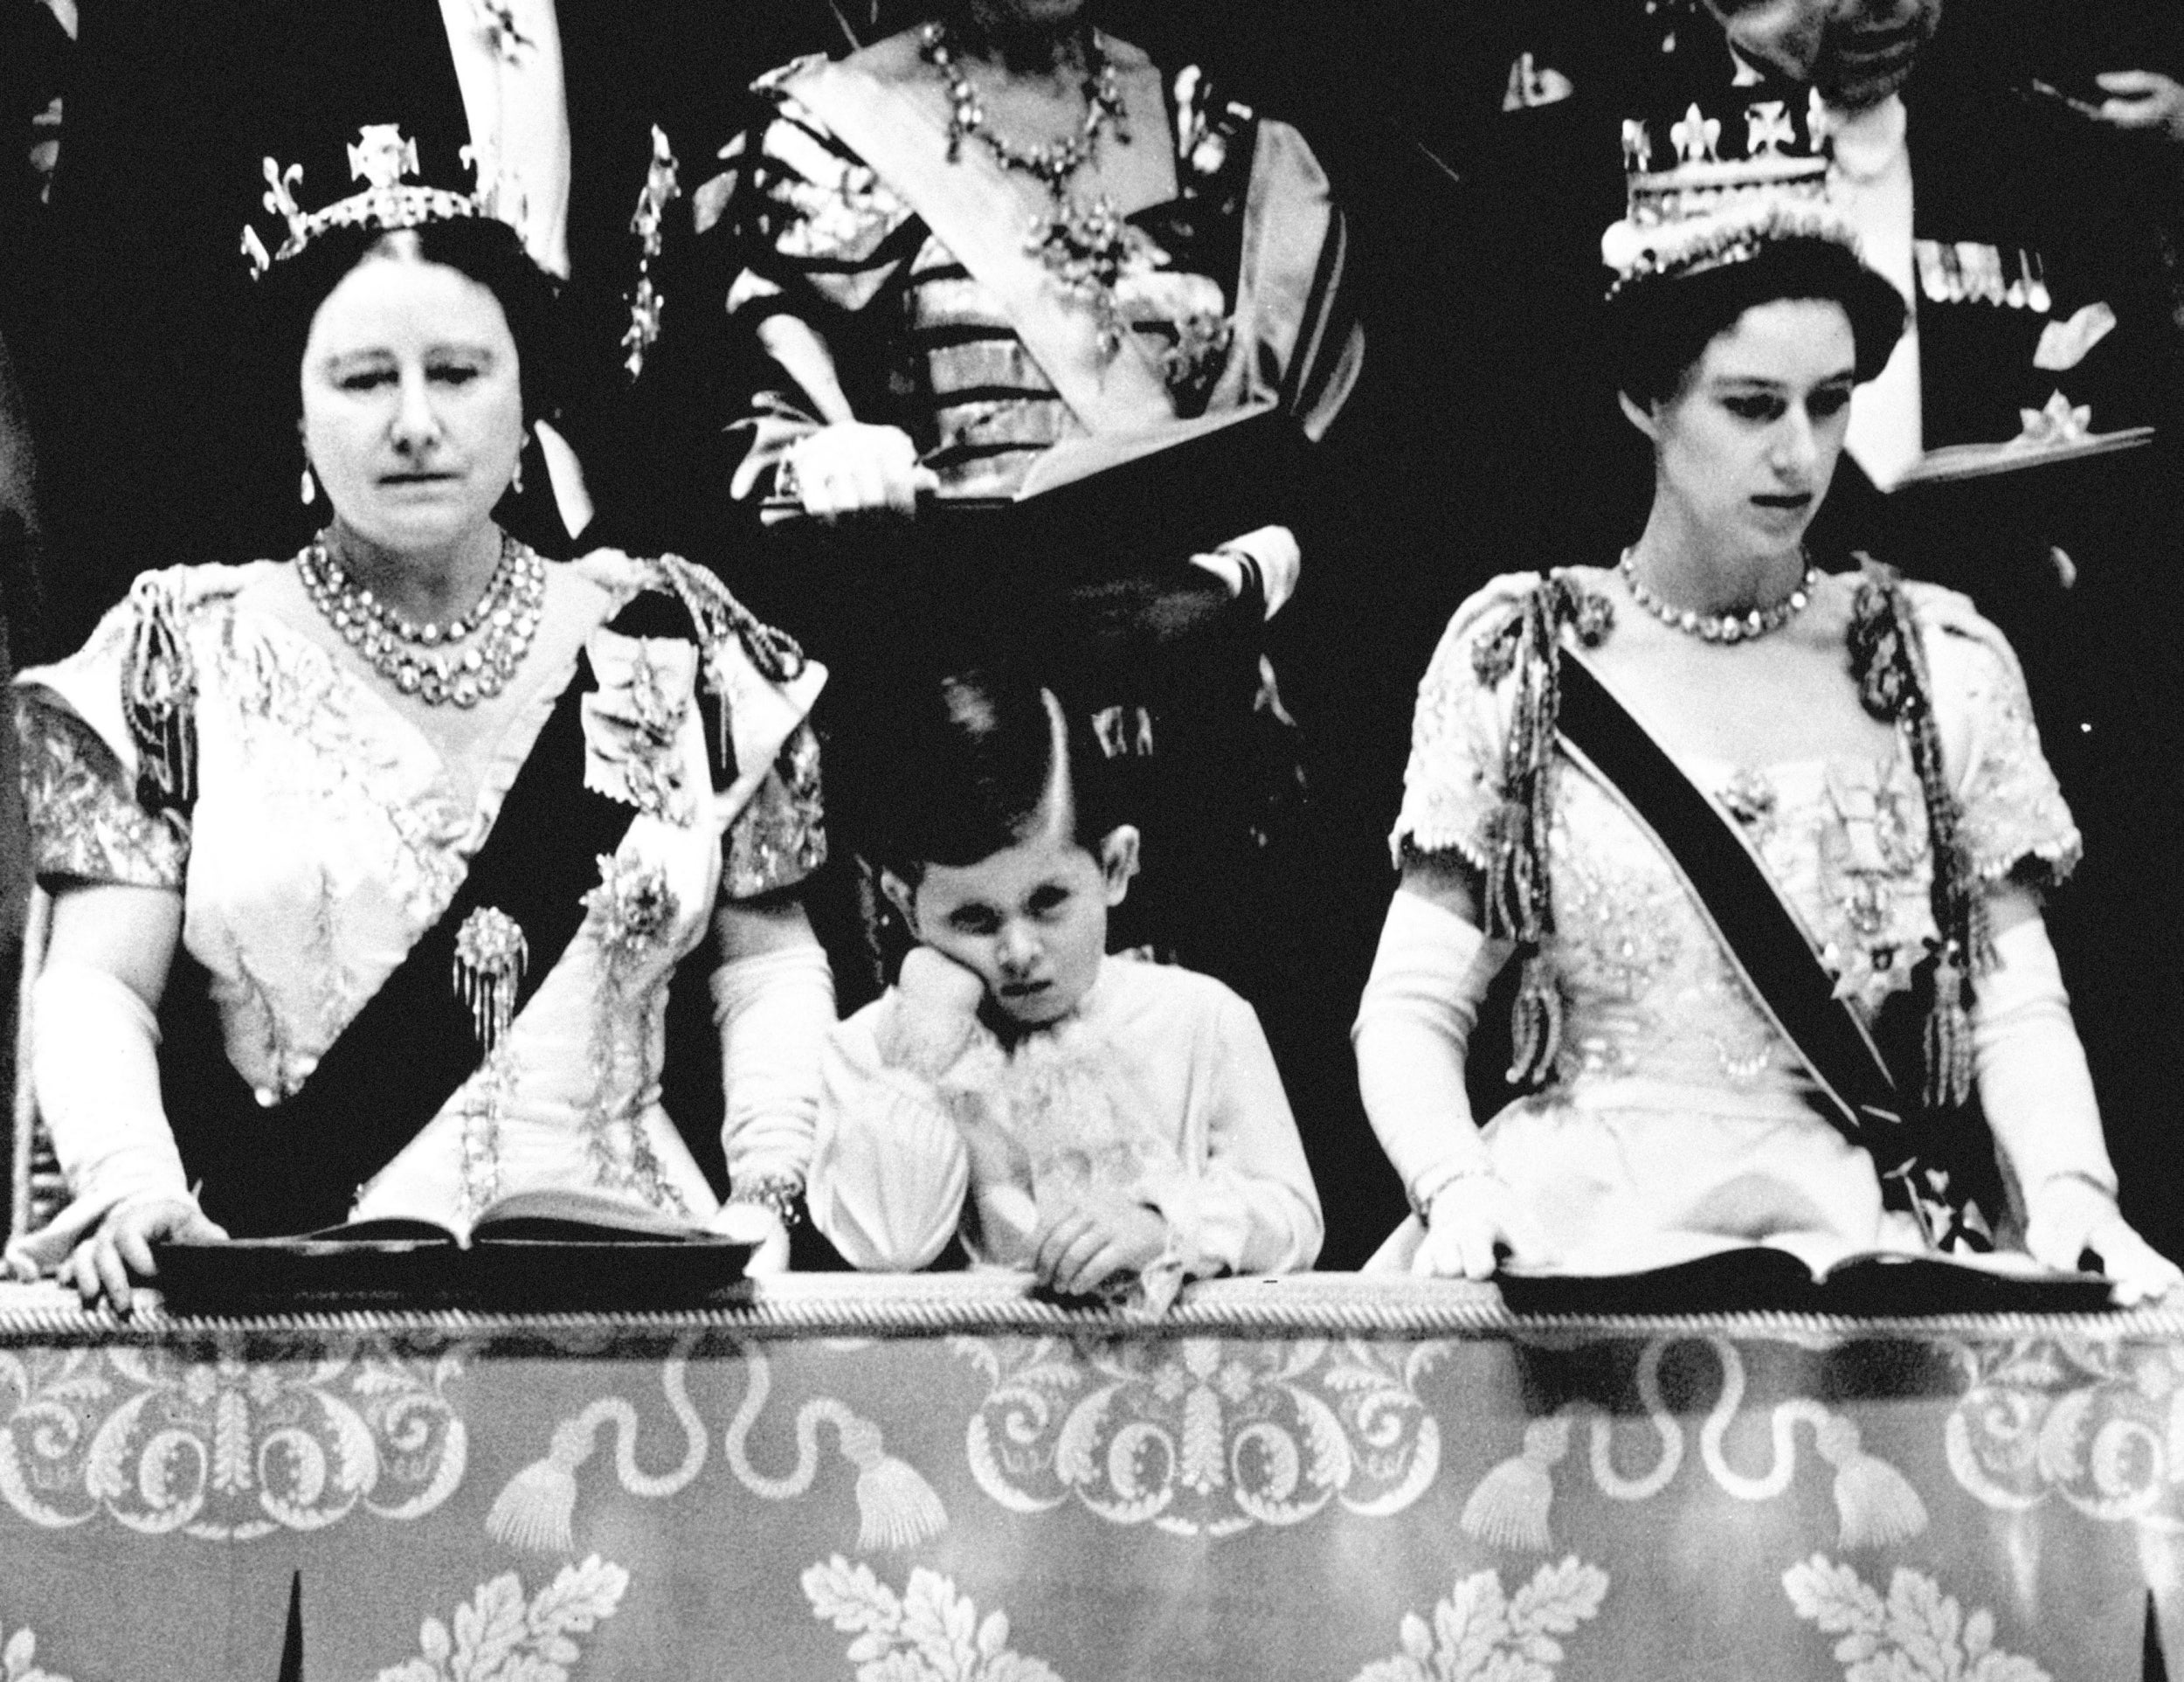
x=159 y=694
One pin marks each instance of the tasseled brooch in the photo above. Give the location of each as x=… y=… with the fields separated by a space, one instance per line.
x=1517 y=894
x=1890 y=664
x=159 y=697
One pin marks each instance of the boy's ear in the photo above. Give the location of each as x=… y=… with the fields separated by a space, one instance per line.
x=1118 y=860
x=900 y=896
x=1639 y=415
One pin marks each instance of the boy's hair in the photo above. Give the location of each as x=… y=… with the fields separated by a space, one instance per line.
x=976 y=770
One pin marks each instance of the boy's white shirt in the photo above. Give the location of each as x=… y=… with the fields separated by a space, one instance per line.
x=1160 y=1057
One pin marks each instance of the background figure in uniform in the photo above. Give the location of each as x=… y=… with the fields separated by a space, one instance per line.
x=904 y=359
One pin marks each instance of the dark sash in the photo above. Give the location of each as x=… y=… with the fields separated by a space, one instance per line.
x=1759 y=933
x=294 y=1166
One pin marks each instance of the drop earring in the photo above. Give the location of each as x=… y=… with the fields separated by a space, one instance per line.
x=515 y=479
x=308 y=486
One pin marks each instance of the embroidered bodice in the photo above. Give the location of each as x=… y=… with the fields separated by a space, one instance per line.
x=1647 y=995
x=325 y=834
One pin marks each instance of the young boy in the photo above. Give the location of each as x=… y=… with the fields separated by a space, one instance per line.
x=1112 y=1127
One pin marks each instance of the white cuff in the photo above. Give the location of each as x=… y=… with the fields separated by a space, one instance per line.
x=1270 y=554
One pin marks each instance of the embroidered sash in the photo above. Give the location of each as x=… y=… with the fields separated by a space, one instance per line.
x=967 y=204
x=295 y=1165
x=1762 y=936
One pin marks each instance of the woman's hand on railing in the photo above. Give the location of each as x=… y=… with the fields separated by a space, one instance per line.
x=2070 y=1215
x=1469 y=1220
x=850 y=467
x=754 y=1223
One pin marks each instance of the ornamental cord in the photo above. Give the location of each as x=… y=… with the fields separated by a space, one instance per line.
x=1889 y=663
x=1518 y=897
x=159 y=694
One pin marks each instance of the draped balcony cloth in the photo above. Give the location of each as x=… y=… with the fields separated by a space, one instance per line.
x=901 y=1480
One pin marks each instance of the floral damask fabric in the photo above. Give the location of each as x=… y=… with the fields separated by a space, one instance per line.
x=327 y=834
x=1672 y=1089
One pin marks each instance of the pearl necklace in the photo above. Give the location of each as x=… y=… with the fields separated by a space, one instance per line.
x=502 y=623
x=1053 y=161
x=1721 y=627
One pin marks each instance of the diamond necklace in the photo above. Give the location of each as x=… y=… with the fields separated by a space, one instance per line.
x=1722 y=627
x=1052 y=163
x=502 y=624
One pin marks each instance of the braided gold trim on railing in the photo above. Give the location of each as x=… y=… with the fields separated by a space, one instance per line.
x=924 y=1305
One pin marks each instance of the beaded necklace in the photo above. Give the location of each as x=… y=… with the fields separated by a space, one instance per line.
x=500 y=626
x=1721 y=627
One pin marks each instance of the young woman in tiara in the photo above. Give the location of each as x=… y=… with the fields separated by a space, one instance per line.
x=427 y=823
x=1765 y=847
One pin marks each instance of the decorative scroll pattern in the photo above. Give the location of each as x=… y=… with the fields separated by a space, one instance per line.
x=1203 y=1436
x=502 y=1636
x=2098 y=1424
x=1479 y=1634
x=224 y=1449
x=1918 y=1635
x=895 y=1505
x=1874 y=1502
x=929 y=1633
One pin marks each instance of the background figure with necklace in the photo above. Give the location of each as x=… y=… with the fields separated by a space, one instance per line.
x=418 y=825
x=1736 y=824
x=997 y=241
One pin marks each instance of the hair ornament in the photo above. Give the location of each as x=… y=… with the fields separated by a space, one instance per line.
x=1711 y=203
x=382 y=157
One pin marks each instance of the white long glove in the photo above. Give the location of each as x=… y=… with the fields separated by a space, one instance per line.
x=2039 y=1101
x=773 y=1010
x=1413 y=1031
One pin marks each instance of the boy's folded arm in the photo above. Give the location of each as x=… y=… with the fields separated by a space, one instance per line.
x=1251 y=1207
x=889 y=1170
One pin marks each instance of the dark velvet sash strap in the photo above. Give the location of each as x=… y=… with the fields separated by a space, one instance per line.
x=295 y=1165
x=1758 y=932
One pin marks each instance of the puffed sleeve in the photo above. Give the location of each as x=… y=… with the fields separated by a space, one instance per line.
x=2015 y=822
x=93 y=794
x=889 y=1166
x=1453 y=784
x=813 y=238
x=1251 y=1208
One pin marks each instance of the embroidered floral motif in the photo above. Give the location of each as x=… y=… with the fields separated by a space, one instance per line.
x=1918 y=1635
x=634 y=724
x=780 y=837
x=504 y=1636
x=226 y=1448
x=634 y=907
x=1203 y=1437
x=83 y=822
x=1482 y=1634
x=929 y=1633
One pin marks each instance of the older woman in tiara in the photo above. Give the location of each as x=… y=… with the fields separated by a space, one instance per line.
x=420 y=825
x=1764 y=845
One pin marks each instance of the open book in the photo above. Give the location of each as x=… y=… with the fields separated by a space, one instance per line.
x=543 y=1248
x=1762 y=1278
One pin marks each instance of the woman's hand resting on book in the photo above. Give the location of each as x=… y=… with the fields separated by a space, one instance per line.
x=2068 y=1215
x=118 y=1251
x=1467 y=1220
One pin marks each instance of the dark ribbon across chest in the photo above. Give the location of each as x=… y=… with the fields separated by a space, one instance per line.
x=295 y=1165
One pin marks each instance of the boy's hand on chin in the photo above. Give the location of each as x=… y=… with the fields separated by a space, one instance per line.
x=940 y=1012
x=1093 y=1242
